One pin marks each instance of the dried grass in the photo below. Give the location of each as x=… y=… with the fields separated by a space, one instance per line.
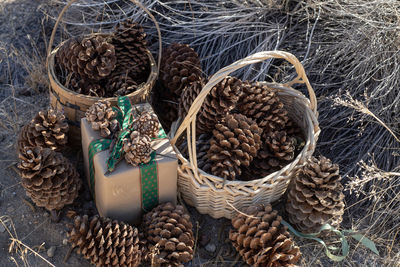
x=354 y=52
x=19 y=248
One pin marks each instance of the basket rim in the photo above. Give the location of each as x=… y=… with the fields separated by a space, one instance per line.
x=142 y=88
x=315 y=131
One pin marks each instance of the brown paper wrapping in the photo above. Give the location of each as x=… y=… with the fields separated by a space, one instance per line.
x=118 y=194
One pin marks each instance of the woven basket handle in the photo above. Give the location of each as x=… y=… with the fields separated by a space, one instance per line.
x=224 y=72
x=53 y=33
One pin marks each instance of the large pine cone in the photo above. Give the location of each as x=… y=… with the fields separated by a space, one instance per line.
x=169 y=235
x=98 y=56
x=316 y=196
x=261 y=103
x=189 y=94
x=49 y=179
x=235 y=143
x=120 y=84
x=261 y=239
x=147 y=124
x=137 y=149
x=180 y=65
x=92 y=57
x=222 y=98
x=131 y=49
x=102 y=118
x=47 y=129
x=105 y=242
x=86 y=86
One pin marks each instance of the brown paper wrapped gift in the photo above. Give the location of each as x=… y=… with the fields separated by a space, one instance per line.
x=120 y=194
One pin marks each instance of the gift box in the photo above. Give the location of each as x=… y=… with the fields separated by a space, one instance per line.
x=128 y=191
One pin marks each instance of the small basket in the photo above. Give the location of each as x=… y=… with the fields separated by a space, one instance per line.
x=207 y=192
x=74 y=105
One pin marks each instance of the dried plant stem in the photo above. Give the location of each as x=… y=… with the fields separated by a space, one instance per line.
x=31 y=250
x=242 y=213
x=360 y=107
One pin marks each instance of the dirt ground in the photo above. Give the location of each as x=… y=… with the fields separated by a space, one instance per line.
x=23 y=31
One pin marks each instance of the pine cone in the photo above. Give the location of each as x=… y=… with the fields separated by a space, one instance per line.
x=131 y=50
x=280 y=145
x=102 y=118
x=120 y=84
x=137 y=149
x=189 y=94
x=86 y=86
x=49 y=179
x=180 y=65
x=260 y=103
x=169 y=235
x=261 y=240
x=92 y=57
x=222 y=98
x=47 y=129
x=316 y=196
x=105 y=242
x=98 y=57
x=235 y=143
x=147 y=124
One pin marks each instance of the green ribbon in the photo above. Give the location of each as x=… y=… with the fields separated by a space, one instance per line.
x=344 y=244
x=149 y=183
x=148 y=172
x=125 y=119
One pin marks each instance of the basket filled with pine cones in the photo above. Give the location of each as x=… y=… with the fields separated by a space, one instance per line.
x=239 y=143
x=85 y=69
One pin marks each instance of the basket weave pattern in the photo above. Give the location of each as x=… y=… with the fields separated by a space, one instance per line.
x=207 y=192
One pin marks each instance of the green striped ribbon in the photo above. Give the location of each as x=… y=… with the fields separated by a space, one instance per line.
x=344 y=244
x=148 y=172
x=125 y=120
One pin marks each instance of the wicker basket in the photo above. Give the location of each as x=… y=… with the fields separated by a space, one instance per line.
x=207 y=192
x=74 y=105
